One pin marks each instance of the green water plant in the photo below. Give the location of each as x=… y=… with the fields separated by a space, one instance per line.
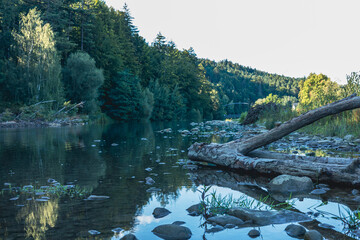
x=213 y=203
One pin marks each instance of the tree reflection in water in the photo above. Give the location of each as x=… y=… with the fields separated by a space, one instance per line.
x=39 y=217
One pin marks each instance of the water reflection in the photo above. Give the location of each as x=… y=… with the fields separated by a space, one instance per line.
x=106 y=160
x=38 y=218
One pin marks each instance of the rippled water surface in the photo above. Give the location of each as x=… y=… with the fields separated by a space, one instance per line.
x=113 y=161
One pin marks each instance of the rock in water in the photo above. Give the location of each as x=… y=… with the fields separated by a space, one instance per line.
x=313 y=235
x=253 y=233
x=94 y=232
x=160 y=212
x=129 y=237
x=295 y=231
x=290 y=184
x=149 y=181
x=195 y=210
x=95 y=197
x=215 y=229
x=179 y=223
x=268 y=217
x=117 y=230
x=226 y=219
x=318 y=191
x=172 y=232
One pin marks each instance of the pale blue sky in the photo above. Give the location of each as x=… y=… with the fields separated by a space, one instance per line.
x=290 y=37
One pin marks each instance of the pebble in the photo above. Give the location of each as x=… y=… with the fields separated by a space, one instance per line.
x=94 y=232
x=326 y=226
x=318 y=191
x=117 y=230
x=253 y=233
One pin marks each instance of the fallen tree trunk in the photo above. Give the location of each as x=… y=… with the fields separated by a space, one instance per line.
x=233 y=154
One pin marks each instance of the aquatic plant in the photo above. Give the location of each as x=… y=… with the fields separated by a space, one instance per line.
x=214 y=203
x=56 y=189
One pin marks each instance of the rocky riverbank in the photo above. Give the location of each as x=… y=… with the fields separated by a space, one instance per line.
x=42 y=123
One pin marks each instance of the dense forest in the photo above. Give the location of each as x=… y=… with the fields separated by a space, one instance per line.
x=68 y=53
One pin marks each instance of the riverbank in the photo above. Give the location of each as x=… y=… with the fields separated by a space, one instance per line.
x=42 y=123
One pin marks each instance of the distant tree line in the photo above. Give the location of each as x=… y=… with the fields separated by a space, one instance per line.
x=85 y=51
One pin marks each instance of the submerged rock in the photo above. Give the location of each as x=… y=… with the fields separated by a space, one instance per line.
x=179 y=223
x=290 y=184
x=117 y=230
x=172 y=232
x=196 y=209
x=253 y=233
x=313 y=235
x=129 y=236
x=160 y=212
x=149 y=181
x=95 y=197
x=295 y=231
x=94 y=232
x=215 y=229
x=268 y=217
x=326 y=226
x=318 y=191
x=226 y=219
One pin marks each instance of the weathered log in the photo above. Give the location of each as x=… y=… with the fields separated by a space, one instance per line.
x=233 y=154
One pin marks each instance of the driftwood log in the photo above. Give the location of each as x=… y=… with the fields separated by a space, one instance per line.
x=239 y=154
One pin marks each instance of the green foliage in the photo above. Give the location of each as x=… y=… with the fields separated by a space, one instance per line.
x=242 y=117
x=82 y=80
x=167 y=83
x=317 y=90
x=353 y=84
x=123 y=99
x=37 y=59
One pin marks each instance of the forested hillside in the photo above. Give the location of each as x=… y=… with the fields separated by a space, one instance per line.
x=66 y=52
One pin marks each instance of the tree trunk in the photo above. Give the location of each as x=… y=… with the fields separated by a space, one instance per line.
x=232 y=154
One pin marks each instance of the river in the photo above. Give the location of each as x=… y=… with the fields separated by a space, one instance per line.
x=113 y=161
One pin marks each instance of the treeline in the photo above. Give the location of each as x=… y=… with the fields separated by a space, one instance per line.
x=236 y=83
x=65 y=52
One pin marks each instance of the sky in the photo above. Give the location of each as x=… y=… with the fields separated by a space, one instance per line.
x=289 y=37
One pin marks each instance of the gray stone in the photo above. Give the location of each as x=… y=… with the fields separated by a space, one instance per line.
x=94 y=232
x=355 y=192
x=95 y=197
x=172 y=232
x=290 y=184
x=348 y=137
x=129 y=237
x=253 y=233
x=313 y=235
x=229 y=225
x=215 y=229
x=160 y=212
x=149 y=181
x=117 y=230
x=326 y=226
x=179 y=223
x=296 y=231
x=226 y=219
x=268 y=217
x=195 y=210
x=318 y=191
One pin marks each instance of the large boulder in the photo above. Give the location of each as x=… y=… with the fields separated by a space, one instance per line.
x=226 y=219
x=263 y=218
x=291 y=184
x=172 y=232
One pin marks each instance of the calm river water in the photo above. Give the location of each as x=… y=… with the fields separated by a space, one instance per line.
x=113 y=161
